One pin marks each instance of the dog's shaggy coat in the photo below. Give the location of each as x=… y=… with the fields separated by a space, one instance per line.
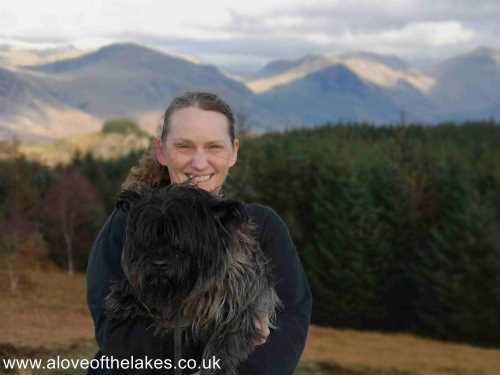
x=191 y=261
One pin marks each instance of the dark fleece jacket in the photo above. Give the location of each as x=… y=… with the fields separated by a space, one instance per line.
x=281 y=353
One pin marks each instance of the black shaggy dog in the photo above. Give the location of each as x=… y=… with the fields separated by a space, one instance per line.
x=190 y=261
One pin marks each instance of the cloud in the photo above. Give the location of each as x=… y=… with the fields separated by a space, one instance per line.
x=245 y=46
x=373 y=16
x=419 y=39
x=412 y=37
x=409 y=28
x=261 y=30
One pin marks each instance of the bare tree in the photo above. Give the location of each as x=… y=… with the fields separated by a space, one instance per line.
x=12 y=231
x=67 y=206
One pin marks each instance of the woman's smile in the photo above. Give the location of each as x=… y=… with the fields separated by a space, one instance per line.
x=199 y=178
x=198 y=148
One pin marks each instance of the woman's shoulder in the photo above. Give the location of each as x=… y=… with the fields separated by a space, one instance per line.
x=119 y=215
x=260 y=213
x=114 y=226
x=267 y=221
x=125 y=199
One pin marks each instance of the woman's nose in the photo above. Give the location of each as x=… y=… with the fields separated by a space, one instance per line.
x=199 y=160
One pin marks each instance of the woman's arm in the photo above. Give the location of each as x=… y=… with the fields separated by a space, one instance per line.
x=281 y=353
x=104 y=266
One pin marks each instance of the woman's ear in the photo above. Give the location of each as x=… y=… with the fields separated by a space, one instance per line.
x=234 y=156
x=160 y=152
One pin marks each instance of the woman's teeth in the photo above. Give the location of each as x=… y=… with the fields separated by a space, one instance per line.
x=199 y=178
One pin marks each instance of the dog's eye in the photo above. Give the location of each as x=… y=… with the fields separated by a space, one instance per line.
x=160 y=262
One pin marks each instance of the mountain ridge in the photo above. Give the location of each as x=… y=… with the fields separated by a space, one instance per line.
x=131 y=80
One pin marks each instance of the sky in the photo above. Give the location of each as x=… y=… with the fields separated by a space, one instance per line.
x=248 y=34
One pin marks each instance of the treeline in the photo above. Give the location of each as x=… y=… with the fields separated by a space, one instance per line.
x=398 y=227
x=53 y=214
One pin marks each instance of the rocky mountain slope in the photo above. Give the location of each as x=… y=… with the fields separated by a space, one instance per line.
x=75 y=95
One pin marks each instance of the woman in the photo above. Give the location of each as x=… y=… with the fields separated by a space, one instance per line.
x=198 y=144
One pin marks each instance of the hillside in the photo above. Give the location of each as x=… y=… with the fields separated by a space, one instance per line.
x=121 y=80
x=49 y=316
x=30 y=112
x=467 y=85
x=73 y=92
x=101 y=146
x=128 y=79
x=385 y=71
x=21 y=57
x=336 y=93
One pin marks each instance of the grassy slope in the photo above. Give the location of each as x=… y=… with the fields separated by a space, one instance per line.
x=103 y=146
x=49 y=316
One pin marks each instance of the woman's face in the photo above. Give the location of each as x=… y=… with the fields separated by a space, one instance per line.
x=198 y=146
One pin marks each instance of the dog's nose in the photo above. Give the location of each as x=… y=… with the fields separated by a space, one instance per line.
x=263 y=328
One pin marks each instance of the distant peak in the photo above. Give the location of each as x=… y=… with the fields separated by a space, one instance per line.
x=136 y=48
x=484 y=51
x=124 y=46
x=309 y=58
x=391 y=61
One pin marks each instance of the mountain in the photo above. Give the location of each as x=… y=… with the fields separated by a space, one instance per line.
x=360 y=86
x=21 y=91
x=468 y=85
x=29 y=112
x=391 y=61
x=120 y=80
x=129 y=79
x=11 y=56
x=280 y=66
x=386 y=71
x=76 y=95
x=336 y=93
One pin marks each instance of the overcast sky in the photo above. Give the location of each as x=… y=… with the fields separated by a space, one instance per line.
x=252 y=32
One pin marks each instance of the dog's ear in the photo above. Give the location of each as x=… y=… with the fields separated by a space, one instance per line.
x=127 y=198
x=229 y=212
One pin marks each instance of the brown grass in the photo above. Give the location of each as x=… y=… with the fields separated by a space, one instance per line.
x=49 y=314
x=49 y=311
x=405 y=352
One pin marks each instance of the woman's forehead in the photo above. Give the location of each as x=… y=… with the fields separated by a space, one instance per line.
x=187 y=122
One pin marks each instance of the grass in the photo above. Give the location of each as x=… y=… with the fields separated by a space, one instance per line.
x=49 y=317
x=49 y=311
x=382 y=353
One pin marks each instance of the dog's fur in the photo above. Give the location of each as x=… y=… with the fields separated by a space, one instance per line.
x=192 y=255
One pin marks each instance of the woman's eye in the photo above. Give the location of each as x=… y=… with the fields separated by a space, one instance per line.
x=182 y=146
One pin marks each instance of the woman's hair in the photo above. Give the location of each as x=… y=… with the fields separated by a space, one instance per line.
x=148 y=172
x=202 y=100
